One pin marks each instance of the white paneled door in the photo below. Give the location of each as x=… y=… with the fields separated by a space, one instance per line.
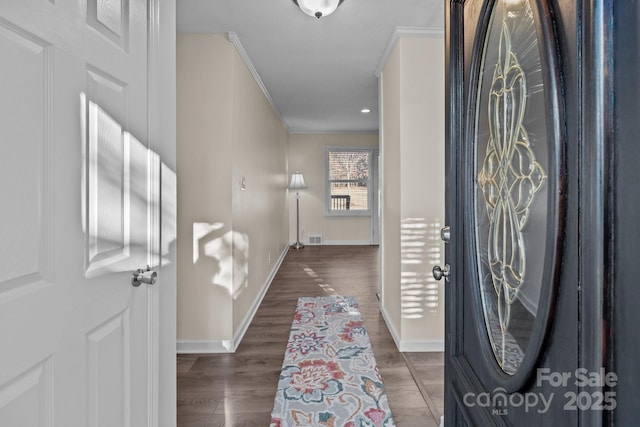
x=78 y=202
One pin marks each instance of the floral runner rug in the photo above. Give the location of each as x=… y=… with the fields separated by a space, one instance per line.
x=329 y=375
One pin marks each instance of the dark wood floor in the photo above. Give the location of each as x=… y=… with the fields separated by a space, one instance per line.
x=238 y=389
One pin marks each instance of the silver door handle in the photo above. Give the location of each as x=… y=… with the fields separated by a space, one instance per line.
x=142 y=275
x=439 y=272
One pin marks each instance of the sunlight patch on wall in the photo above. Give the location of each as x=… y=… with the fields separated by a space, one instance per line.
x=219 y=251
x=200 y=230
x=225 y=255
x=240 y=263
x=421 y=249
x=412 y=241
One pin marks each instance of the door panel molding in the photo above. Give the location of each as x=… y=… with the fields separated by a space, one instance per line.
x=29 y=397
x=109 y=372
x=27 y=172
x=110 y=18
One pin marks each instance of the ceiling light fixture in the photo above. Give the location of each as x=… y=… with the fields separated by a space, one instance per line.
x=365 y=110
x=318 y=8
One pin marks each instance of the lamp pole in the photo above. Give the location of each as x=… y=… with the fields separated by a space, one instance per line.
x=298 y=245
x=297 y=182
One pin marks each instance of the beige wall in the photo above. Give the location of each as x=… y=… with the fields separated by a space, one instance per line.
x=307 y=155
x=260 y=217
x=412 y=85
x=390 y=146
x=226 y=130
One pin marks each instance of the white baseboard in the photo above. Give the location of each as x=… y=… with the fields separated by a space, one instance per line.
x=230 y=346
x=244 y=325
x=421 y=346
x=203 y=346
x=411 y=346
x=347 y=242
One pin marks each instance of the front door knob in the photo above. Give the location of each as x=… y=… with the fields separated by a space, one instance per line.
x=439 y=272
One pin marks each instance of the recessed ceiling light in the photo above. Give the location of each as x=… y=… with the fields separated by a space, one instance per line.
x=365 y=110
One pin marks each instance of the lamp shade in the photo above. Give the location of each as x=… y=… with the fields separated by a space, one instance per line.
x=297 y=181
x=318 y=8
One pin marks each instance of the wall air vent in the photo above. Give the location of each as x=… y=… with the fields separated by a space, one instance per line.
x=315 y=239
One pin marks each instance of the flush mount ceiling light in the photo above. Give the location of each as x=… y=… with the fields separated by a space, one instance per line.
x=318 y=8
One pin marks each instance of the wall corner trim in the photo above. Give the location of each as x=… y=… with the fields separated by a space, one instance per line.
x=426 y=32
x=235 y=40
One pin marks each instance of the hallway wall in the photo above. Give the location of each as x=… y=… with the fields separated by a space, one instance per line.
x=232 y=203
x=235 y=217
x=412 y=157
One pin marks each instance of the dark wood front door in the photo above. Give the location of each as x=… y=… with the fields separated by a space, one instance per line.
x=540 y=290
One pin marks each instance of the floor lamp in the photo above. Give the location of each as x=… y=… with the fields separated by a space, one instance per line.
x=297 y=182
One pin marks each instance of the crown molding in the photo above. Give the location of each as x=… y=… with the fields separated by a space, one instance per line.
x=235 y=40
x=398 y=32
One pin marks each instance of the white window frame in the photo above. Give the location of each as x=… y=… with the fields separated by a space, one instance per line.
x=368 y=181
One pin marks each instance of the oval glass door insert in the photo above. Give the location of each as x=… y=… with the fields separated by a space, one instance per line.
x=511 y=183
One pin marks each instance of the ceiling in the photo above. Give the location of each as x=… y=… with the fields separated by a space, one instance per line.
x=319 y=73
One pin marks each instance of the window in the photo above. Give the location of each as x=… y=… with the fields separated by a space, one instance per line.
x=348 y=181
